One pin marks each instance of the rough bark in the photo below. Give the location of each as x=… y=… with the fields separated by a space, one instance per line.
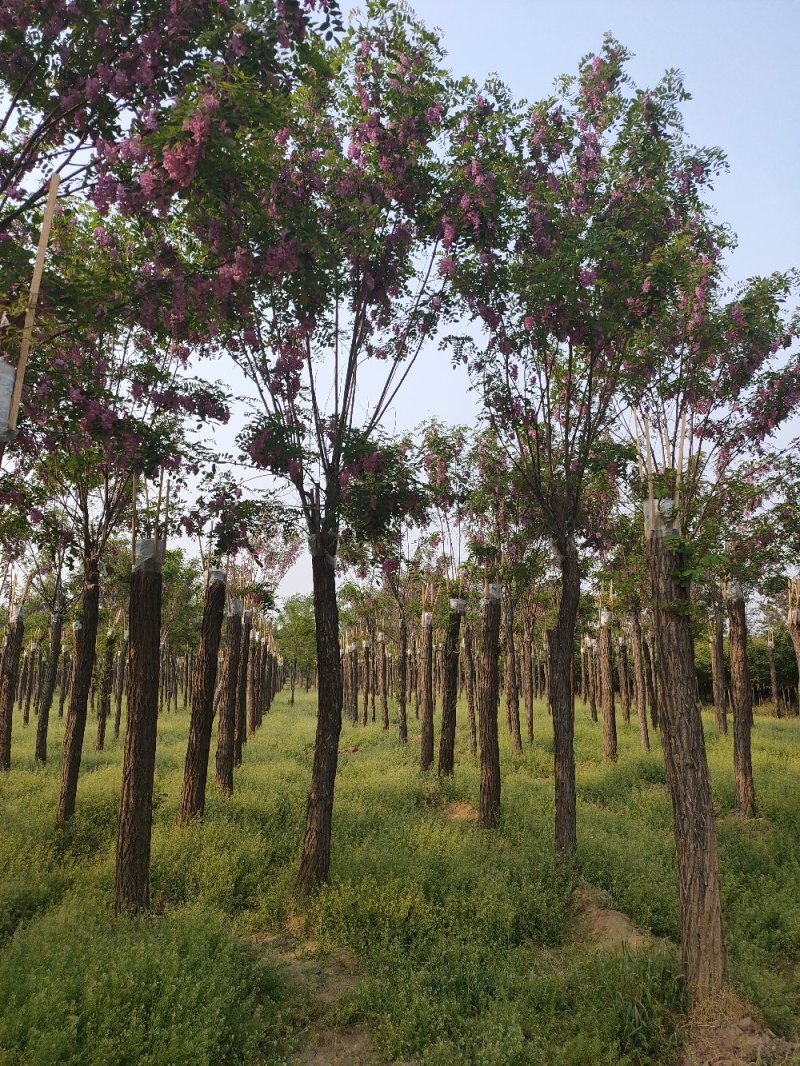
x=527 y=683
x=426 y=694
x=702 y=939
x=106 y=682
x=447 y=740
x=226 y=730
x=85 y=648
x=195 y=775
x=640 y=686
x=316 y=856
x=240 y=730
x=561 y=642
x=132 y=888
x=742 y=699
x=469 y=681
x=511 y=686
x=9 y=670
x=487 y=698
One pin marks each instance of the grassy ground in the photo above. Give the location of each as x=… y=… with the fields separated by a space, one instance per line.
x=466 y=941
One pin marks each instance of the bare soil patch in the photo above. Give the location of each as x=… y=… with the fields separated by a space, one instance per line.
x=326 y=976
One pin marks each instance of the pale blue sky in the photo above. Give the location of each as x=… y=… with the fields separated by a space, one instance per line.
x=740 y=62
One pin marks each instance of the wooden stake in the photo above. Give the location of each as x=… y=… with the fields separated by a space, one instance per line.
x=33 y=298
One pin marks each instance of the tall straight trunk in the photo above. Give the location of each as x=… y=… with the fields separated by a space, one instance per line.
x=487 y=677
x=402 y=686
x=292 y=678
x=649 y=667
x=561 y=644
x=605 y=653
x=64 y=680
x=132 y=888
x=426 y=667
x=742 y=697
x=355 y=670
x=773 y=680
x=316 y=857
x=624 y=680
x=702 y=937
x=240 y=728
x=717 y=649
x=367 y=667
x=29 y=683
x=253 y=676
x=447 y=740
x=591 y=680
x=226 y=730
x=527 y=682
x=511 y=686
x=793 y=625
x=9 y=670
x=85 y=649
x=119 y=682
x=640 y=686
x=469 y=683
x=106 y=682
x=51 y=674
x=383 y=681
x=195 y=775
x=584 y=687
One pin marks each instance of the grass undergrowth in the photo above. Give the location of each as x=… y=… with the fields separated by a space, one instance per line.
x=465 y=940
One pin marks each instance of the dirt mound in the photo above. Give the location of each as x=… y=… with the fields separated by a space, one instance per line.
x=595 y=922
x=462 y=812
x=725 y=1033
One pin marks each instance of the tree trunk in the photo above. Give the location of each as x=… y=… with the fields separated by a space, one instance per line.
x=132 y=889
x=383 y=681
x=195 y=775
x=562 y=701
x=106 y=682
x=226 y=730
x=240 y=728
x=717 y=649
x=511 y=686
x=527 y=682
x=591 y=679
x=316 y=857
x=793 y=625
x=640 y=686
x=487 y=676
x=49 y=686
x=649 y=681
x=605 y=652
x=119 y=683
x=469 y=680
x=9 y=670
x=426 y=695
x=85 y=648
x=447 y=740
x=703 y=942
x=64 y=681
x=742 y=697
x=773 y=680
x=624 y=680
x=403 y=681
